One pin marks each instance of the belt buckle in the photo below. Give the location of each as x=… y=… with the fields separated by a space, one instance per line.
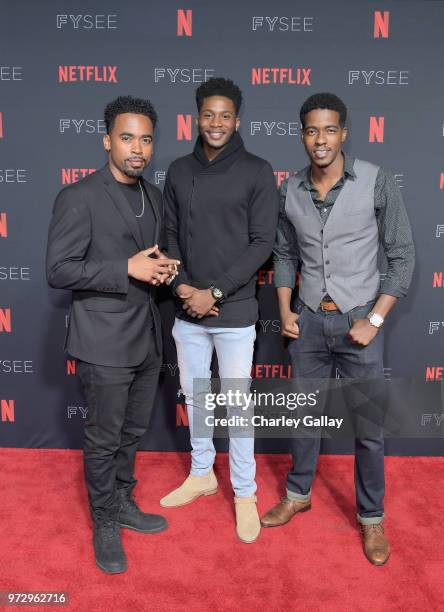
x=328 y=309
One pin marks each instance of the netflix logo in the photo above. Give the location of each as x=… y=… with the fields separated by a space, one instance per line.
x=280 y=176
x=5 y=320
x=184 y=22
x=376 y=129
x=3 y=225
x=265 y=277
x=73 y=175
x=438 y=280
x=7 y=409
x=97 y=74
x=441 y=180
x=273 y=370
x=381 y=24
x=182 y=415
x=434 y=373
x=71 y=367
x=184 y=127
x=280 y=76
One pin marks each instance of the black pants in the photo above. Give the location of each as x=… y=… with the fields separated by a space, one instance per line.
x=120 y=401
x=323 y=344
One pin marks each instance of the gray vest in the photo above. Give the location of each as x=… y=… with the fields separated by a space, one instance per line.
x=340 y=258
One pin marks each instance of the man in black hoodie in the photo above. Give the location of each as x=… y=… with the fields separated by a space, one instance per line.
x=221 y=208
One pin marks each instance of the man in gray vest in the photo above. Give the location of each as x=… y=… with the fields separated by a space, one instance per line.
x=334 y=216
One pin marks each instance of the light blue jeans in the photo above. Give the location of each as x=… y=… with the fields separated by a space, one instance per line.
x=234 y=348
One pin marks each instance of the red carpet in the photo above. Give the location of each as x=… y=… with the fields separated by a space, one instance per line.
x=198 y=564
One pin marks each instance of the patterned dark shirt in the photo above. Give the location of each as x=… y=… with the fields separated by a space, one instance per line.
x=395 y=233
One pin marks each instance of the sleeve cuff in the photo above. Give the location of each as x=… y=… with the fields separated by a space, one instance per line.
x=388 y=288
x=224 y=285
x=284 y=275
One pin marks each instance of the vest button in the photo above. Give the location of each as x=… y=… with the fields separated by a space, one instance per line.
x=327 y=262
x=328 y=275
x=325 y=246
x=324 y=288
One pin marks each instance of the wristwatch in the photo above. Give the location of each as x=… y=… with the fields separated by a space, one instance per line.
x=375 y=319
x=216 y=293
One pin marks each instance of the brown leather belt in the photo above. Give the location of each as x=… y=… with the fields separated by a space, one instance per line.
x=328 y=306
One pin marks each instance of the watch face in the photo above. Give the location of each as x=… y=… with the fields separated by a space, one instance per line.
x=376 y=319
x=217 y=293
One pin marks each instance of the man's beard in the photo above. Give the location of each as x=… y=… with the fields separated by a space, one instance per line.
x=133 y=172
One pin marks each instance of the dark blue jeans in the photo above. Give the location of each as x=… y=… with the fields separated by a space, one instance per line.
x=322 y=346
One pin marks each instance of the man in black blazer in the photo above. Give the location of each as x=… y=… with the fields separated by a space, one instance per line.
x=102 y=245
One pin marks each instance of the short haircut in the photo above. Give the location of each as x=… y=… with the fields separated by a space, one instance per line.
x=324 y=100
x=219 y=87
x=128 y=104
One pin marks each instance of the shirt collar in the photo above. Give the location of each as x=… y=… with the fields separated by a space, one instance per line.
x=349 y=172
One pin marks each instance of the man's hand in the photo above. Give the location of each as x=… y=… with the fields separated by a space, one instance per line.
x=199 y=303
x=148 y=269
x=184 y=291
x=289 y=325
x=172 y=269
x=362 y=332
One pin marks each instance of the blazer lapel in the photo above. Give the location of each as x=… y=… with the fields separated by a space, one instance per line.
x=156 y=212
x=123 y=206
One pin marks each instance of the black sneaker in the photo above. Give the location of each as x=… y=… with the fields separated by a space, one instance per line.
x=132 y=517
x=110 y=556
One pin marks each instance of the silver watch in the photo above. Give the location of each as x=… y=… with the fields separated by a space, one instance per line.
x=375 y=319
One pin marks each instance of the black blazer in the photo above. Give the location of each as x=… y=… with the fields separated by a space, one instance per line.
x=92 y=234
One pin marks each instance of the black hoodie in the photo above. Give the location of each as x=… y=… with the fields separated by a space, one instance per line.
x=221 y=218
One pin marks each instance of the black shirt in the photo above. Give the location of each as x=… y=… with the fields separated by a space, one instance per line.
x=147 y=221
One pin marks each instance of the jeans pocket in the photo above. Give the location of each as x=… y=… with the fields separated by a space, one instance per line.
x=301 y=319
x=350 y=319
x=360 y=312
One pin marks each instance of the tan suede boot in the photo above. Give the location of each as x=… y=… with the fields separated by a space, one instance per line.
x=192 y=488
x=248 y=525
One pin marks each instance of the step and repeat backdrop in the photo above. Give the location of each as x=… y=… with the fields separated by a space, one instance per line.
x=61 y=62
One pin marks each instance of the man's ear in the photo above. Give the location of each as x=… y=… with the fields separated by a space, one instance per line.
x=107 y=143
x=344 y=134
x=237 y=123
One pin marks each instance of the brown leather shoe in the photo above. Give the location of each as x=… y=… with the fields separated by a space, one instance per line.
x=376 y=546
x=283 y=512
